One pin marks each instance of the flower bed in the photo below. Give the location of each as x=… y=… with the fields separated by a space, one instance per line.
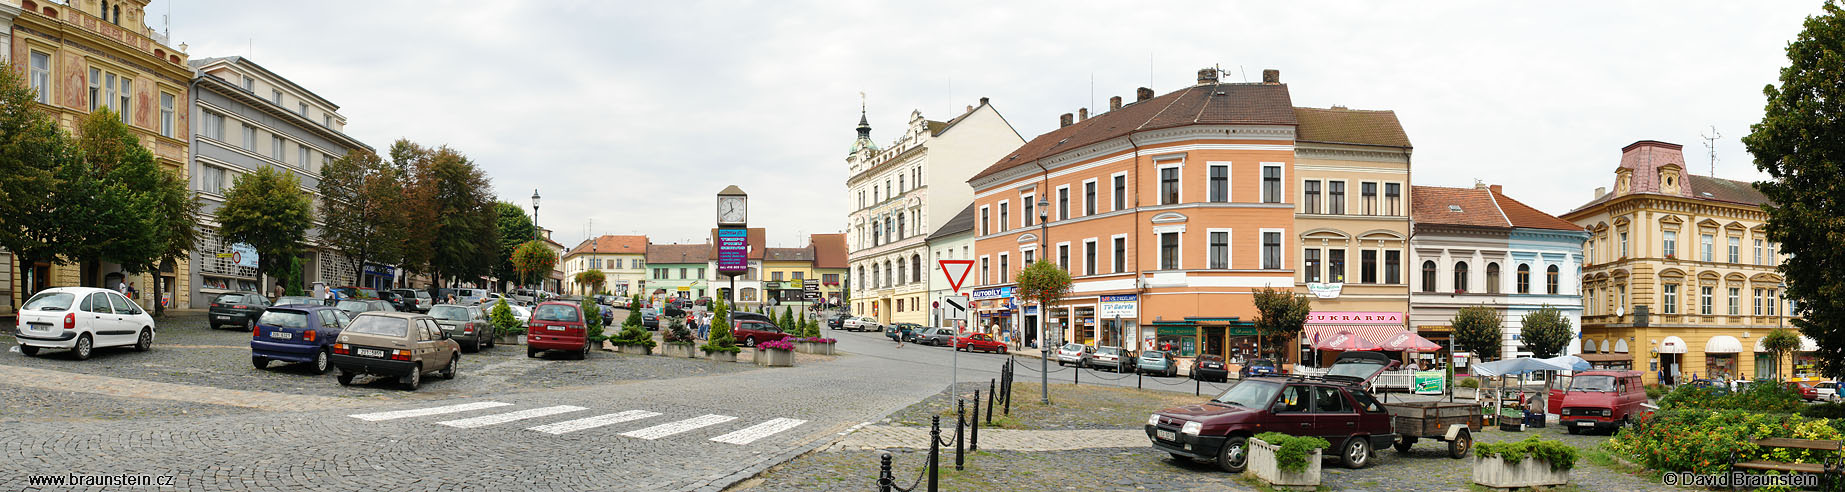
x=1702 y=441
x=1762 y=397
x=814 y=345
x=775 y=353
x=1288 y=461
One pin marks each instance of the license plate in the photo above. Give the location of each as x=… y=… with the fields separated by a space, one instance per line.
x=39 y=326
x=1585 y=423
x=371 y=353
x=1166 y=435
x=554 y=328
x=222 y=316
x=281 y=335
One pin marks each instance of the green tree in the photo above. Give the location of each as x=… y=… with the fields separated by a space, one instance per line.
x=1778 y=343
x=35 y=216
x=1800 y=143
x=720 y=339
x=1044 y=283
x=590 y=280
x=420 y=208
x=267 y=210
x=503 y=321
x=362 y=202
x=118 y=182
x=1477 y=330
x=515 y=228
x=1545 y=332
x=465 y=237
x=787 y=321
x=533 y=260
x=1280 y=316
x=592 y=315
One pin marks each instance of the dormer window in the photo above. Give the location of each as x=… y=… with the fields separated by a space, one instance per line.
x=1454 y=208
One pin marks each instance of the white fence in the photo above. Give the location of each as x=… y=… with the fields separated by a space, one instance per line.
x=1393 y=380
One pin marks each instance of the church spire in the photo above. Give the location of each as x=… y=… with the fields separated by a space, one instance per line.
x=864 y=129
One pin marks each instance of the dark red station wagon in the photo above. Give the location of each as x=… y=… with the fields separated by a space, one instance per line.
x=557 y=326
x=1335 y=407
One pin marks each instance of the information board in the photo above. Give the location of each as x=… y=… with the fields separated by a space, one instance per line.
x=733 y=250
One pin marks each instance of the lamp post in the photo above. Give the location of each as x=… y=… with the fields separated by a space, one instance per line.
x=535 y=234
x=1044 y=312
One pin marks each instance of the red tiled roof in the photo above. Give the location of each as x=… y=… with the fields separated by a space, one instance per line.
x=1350 y=126
x=1643 y=160
x=1478 y=207
x=611 y=244
x=677 y=253
x=1239 y=104
x=1525 y=216
x=829 y=250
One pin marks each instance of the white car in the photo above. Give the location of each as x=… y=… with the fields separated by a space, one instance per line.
x=82 y=319
x=520 y=313
x=861 y=324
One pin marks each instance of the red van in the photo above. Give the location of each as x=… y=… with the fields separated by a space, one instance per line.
x=1602 y=400
x=557 y=326
x=752 y=332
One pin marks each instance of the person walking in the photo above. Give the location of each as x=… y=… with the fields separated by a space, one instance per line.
x=903 y=331
x=275 y=293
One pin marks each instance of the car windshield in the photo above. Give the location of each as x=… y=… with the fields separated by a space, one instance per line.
x=355 y=306
x=1249 y=394
x=283 y=319
x=1593 y=383
x=555 y=312
x=380 y=325
x=51 y=301
x=451 y=313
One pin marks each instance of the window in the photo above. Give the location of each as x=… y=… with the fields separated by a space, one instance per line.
x=1704 y=247
x=1758 y=251
x=900 y=187
x=1335 y=197
x=275 y=96
x=1671 y=299
x=1393 y=199
x=1063 y=203
x=278 y=148
x=1089 y=198
x=249 y=84
x=1002 y=268
x=96 y=95
x=1772 y=259
x=1030 y=204
x=302 y=108
x=1310 y=264
x=326 y=120
x=1551 y=278
x=775 y=276
x=1120 y=257
x=1063 y=257
x=1220 y=183
x=1492 y=278
x=1368 y=196
x=1271 y=185
x=902 y=230
x=1312 y=192
x=1460 y=276
x=211 y=180
x=1393 y=267
x=40 y=77
x=1735 y=249
x=1271 y=249
x=1524 y=279
x=915 y=269
x=303 y=152
x=249 y=137
x=984 y=279
x=124 y=100
x=1089 y=257
x=985 y=228
x=1669 y=243
x=1169 y=185
x=166 y=115
x=1335 y=265
x=1220 y=249
x=1623 y=244
x=213 y=126
x=1772 y=301
x=1758 y=301
x=1029 y=256
x=1169 y=251
x=1735 y=301
x=1120 y=195
x=1704 y=299
x=1428 y=276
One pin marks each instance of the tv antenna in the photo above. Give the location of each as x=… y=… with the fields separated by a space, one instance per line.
x=1710 y=146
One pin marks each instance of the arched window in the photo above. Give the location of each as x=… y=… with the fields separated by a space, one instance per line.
x=1460 y=276
x=916 y=268
x=1492 y=278
x=1524 y=279
x=889 y=274
x=874 y=277
x=1428 y=276
x=900 y=276
x=1550 y=280
x=900 y=227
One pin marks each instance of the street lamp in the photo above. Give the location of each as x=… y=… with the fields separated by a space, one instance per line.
x=535 y=234
x=1044 y=312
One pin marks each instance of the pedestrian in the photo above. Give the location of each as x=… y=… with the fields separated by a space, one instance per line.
x=275 y=293
x=903 y=331
x=131 y=290
x=121 y=287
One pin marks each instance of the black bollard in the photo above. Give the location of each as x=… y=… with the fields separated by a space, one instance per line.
x=1137 y=378
x=973 y=439
x=960 y=422
x=990 y=386
x=1076 y=375
x=884 y=476
x=1197 y=386
x=935 y=448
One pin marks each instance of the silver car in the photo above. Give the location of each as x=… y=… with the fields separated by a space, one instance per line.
x=1075 y=354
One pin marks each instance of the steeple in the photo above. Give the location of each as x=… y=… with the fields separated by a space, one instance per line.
x=864 y=129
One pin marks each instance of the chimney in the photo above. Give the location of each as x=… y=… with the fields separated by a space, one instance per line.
x=1497 y=189
x=970 y=108
x=983 y=101
x=1142 y=94
x=1207 y=76
x=1082 y=114
x=1114 y=103
x=1063 y=121
x=1599 y=191
x=1271 y=76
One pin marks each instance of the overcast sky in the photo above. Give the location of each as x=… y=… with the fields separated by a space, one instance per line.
x=629 y=116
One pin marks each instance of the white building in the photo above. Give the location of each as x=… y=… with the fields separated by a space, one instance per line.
x=954 y=241
x=901 y=192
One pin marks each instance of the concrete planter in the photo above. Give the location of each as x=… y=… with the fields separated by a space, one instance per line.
x=686 y=350
x=821 y=348
x=722 y=356
x=634 y=349
x=774 y=358
x=1529 y=472
x=1263 y=466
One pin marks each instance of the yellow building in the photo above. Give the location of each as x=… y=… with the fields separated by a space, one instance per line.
x=80 y=57
x=785 y=272
x=1679 y=278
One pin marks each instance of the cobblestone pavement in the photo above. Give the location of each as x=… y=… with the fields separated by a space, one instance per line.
x=892 y=436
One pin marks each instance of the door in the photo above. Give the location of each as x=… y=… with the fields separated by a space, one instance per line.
x=1292 y=412
x=102 y=322
x=1553 y=403
x=127 y=320
x=435 y=352
x=1333 y=416
x=1632 y=394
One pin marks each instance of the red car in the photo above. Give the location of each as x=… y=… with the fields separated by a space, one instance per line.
x=979 y=341
x=557 y=326
x=752 y=332
x=1807 y=391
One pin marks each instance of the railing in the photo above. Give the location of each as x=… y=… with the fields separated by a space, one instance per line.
x=967 y=436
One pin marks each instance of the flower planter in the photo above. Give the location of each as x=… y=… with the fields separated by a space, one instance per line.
x=1529 y=472
x=634 y=349
x=821 y=348
x=774 y=358
x=1262 y=464
x=722 y=356
x=686 y=350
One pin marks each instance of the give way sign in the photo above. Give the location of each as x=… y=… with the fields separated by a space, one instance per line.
x=956 y=272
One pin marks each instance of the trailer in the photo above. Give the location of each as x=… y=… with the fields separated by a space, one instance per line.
x=1450 y=422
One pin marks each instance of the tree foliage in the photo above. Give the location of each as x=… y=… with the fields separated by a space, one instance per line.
x=503 y=321
x=1280 y=316
x=515 y=228
x=36 y=221
x=1779 y=343
x=533 y=261
x=267 y=210
x=362 y=202
x=1044 y=283
x=451 y=201
x=592 y=319
x=1477 y=329
x=1546 y=332
x=590 y=280
x=146 y=216
x=720 y=338
x=1800 y=143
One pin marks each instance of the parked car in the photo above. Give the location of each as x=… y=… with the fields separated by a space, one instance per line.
x=467 y=325
x=704 y=301
x=608 y=315
x=557 y=326
x=391 y=344
x=1111 y=358
x=749 y=316
x=491 y=299
x=417 y=300
x=299 y=334
x=1602 y=400
x=1828 y=390
x=837 y=321
x=861 y=323
x=524 y=296
x=238 y=309
x=1210 y=368
x=356 y=292
x=980 y=342
x=1157 y=362
x=940 y=337
x=300 y=301
x=398 y=301
x=520 y=313
x=1073 y=354
x=1218 y=431
x=81 y=319
x=463 y=296
x=752 y=332
x=1806 y=390
x=650 y=319
x=356 y=307
x=1258 y=368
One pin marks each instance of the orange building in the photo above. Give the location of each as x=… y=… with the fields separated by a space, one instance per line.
x=1167 y=212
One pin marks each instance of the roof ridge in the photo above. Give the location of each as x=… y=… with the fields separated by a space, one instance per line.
x=1169 y=104
x=1494 y=197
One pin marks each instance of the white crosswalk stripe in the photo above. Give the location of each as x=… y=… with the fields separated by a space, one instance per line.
x=593 y=422
x=750 y=434
x=502 y=418
x=671 y=428
x=420 y=412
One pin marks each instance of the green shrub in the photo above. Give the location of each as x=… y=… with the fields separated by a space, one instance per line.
x=1468 y=383
x=503 y=321
x=1654 y=391
x=1824 y=411
x=1561 y=456
x=1768 y=397
x=1292 y=452
x=1702 y=441
x=677 y=332
x=592 y=319
x=720 y=339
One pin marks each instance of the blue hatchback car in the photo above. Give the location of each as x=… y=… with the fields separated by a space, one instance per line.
x=299 y=333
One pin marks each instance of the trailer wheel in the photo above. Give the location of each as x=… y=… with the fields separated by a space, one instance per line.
x=1404 y=444
x=1460 y=445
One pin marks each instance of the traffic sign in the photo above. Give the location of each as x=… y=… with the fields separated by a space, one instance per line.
x=953 y=307
x=956 y=272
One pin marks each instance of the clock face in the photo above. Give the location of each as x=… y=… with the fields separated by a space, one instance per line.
x=732 y=210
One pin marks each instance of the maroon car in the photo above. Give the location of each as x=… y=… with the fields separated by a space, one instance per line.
x=1336 y=407
x=752 y=332
x=557 y=326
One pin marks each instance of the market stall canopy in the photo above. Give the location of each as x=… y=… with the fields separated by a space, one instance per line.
x=1410 y=342
x=1573 y=362
x=1519 y=365
x=1345 y=341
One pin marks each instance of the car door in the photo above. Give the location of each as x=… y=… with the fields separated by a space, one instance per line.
x=127 y=319
x=435 y=352
x=477 y=319
x=102 y=322
x=1334 y=418
x=1292 y=412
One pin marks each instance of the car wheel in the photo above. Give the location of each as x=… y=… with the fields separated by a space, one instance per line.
x=29 y=350
x=585 y=353
x=1404 y=444
x=531 y=353
x=1462 y=443
x=249 y=324
x=474 y=346
x=146 y=340
x=1573 y=430
x=261 y=363
x=449 y=372
x=81 y=351
x=1356 y=452
x=1234 y=456
x=414 y=380
x=749 y=341
x=345 y=378
x=322 y=362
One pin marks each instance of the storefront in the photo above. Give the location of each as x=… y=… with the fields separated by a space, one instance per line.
x=1720 y=357
x=1231 y=338
x=1805 y=360
x=379 y=276
x=1115 y=321
x=1373 y=326
x=1180 y=337
x=994 y=309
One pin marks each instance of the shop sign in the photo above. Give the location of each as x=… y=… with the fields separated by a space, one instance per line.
x=992 y=293
x=1325 y=291
x=1355 y=317
x=1175 y=330
x=1429 y=382
x=1242 y=331
x=243 y=255
x=380 y=270
x=1118 y=305
x=733 y=250
x=1031 y=310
